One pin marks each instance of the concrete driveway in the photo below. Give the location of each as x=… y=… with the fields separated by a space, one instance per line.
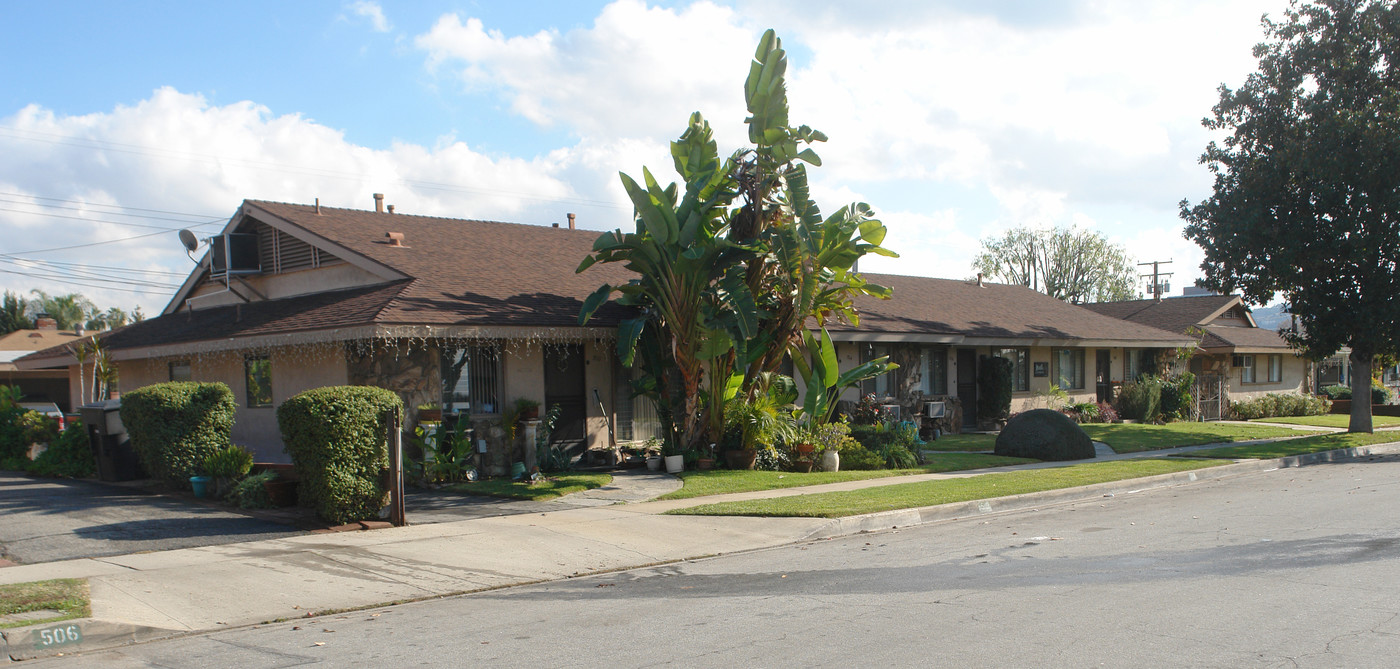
x=43 y=520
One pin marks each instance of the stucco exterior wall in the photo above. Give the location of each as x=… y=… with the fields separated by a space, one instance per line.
x=274 y=286
x=1294 y=376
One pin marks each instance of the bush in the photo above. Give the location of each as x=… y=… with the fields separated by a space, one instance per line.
x=250 y=493
x=1177 y=401
x=38 y=428
x=337 y=439
x=861 y=458
x=1107 y=414
x=1275 y=404
x=994 y=388
x=1044 y=434
x=233 y=462
x=175 y=426
x=1141 y=400
x=1379 y=394
x=1083 y=412
x=70 y=455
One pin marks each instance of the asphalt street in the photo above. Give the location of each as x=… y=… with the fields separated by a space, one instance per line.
x=42 y=520
x=1289 y=568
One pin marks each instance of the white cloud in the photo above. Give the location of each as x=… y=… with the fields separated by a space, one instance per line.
x=175 y=152
x=638 y=71
x=375 y=14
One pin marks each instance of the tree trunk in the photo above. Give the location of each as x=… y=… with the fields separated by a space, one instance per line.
x=1360 y=392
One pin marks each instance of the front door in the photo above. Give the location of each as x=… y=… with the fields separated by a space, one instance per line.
x=1101 y=377
x=967 y=385
x=564 y=385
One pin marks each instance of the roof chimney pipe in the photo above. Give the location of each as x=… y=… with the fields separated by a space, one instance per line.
x=571 y=221
x=379 y=202
x=979 y=279
x=318 y=206
x=391 y=208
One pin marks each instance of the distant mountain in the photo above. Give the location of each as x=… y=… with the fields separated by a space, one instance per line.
x=1272 y=318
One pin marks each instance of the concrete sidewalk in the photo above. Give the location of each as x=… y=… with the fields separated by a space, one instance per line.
x=153 y=595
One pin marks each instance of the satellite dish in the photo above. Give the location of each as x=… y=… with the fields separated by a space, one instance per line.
x=188 y=239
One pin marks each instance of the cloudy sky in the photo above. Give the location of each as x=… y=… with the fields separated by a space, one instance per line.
x=122 y=122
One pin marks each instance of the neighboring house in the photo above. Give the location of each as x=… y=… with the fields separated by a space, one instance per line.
x=468 y=316
x=938 y=330
x=1236 y=359
x=40 y=385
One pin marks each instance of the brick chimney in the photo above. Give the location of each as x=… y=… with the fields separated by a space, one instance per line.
x=44 y=322
x=571 y=221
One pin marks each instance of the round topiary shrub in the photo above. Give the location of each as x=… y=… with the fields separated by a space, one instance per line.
x=175 y=426
x=1044 y=434
x=338 y=439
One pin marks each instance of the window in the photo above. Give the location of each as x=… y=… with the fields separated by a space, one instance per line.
x=1069 y=368
x=1021 y=366
x=471 y=379
x=258 y=373
x=180 y=370
x=1246 y=368
x=935 y=366
x=884 y=384
x=637 y=418
x=1275 y=368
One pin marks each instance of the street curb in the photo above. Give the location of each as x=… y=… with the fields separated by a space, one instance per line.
x=886 y=520
x=29 y=643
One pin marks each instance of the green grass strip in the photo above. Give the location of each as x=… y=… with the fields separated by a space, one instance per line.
x=962 y=442
x=1329 y=420
x=554 y=486
x=67 y=596
x=724 y=481
x=1135 y=438
x=1281 y=449
x=946 y=491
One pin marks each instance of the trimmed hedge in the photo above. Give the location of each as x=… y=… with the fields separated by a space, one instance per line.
x=337 y=437
x=1141 y=400
x=175 y=426
x=1044 y=434
x=1276 y=404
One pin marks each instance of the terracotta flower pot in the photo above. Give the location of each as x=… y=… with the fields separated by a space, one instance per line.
x=705 y=464
x=740 y=459
x=802 y=466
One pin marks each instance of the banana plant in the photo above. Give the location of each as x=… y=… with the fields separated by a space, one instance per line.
x=816 y=362
x=681 y=261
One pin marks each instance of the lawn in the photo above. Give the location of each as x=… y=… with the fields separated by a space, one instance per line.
x=1314 y=444
x=946 y=491
x=724 y=481
x=962 y=442
x=554 y=485
x=1329 y=420
x=67 y=596
x=1135 y=438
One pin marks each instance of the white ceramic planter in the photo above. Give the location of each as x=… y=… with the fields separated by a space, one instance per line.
x=675 y=464
x=831 y=461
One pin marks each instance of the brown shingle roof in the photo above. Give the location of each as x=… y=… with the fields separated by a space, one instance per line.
x=1178 y=314
x=953 y=307
x=469 y=272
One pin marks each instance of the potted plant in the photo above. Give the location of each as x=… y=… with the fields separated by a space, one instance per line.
x=526 y=409
x=226 y=466
x=674 y=457
x=706 y=459
x=429 y=413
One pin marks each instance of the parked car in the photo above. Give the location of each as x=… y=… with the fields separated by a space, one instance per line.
x=47 y=408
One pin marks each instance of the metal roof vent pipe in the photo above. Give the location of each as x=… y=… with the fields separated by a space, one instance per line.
x=979 y=279
x=391 y=208
x=395 y=238
x=379 y=202
x=571 y=221
x=318 y=206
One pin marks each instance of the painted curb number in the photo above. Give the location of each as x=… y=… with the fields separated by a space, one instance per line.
x=57 y=636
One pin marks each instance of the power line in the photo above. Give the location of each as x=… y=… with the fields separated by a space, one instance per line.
x=110 y=206
x=86 y=266
x=89 y=285
x=126 y=223
x=91 y=244
x=86 y=275
x=103 y=213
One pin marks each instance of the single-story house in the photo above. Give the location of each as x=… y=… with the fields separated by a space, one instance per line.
x=1235 y=359
x=40 y=385
x=468 y=316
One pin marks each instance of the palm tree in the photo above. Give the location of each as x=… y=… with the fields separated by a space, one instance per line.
x=69 y=310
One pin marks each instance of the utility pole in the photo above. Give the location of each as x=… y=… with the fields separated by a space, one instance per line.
x=1156 y=275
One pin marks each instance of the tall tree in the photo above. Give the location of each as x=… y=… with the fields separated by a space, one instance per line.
x=1307 y=185
x=69 y=310
x=12 y=314
x=1071 y=264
